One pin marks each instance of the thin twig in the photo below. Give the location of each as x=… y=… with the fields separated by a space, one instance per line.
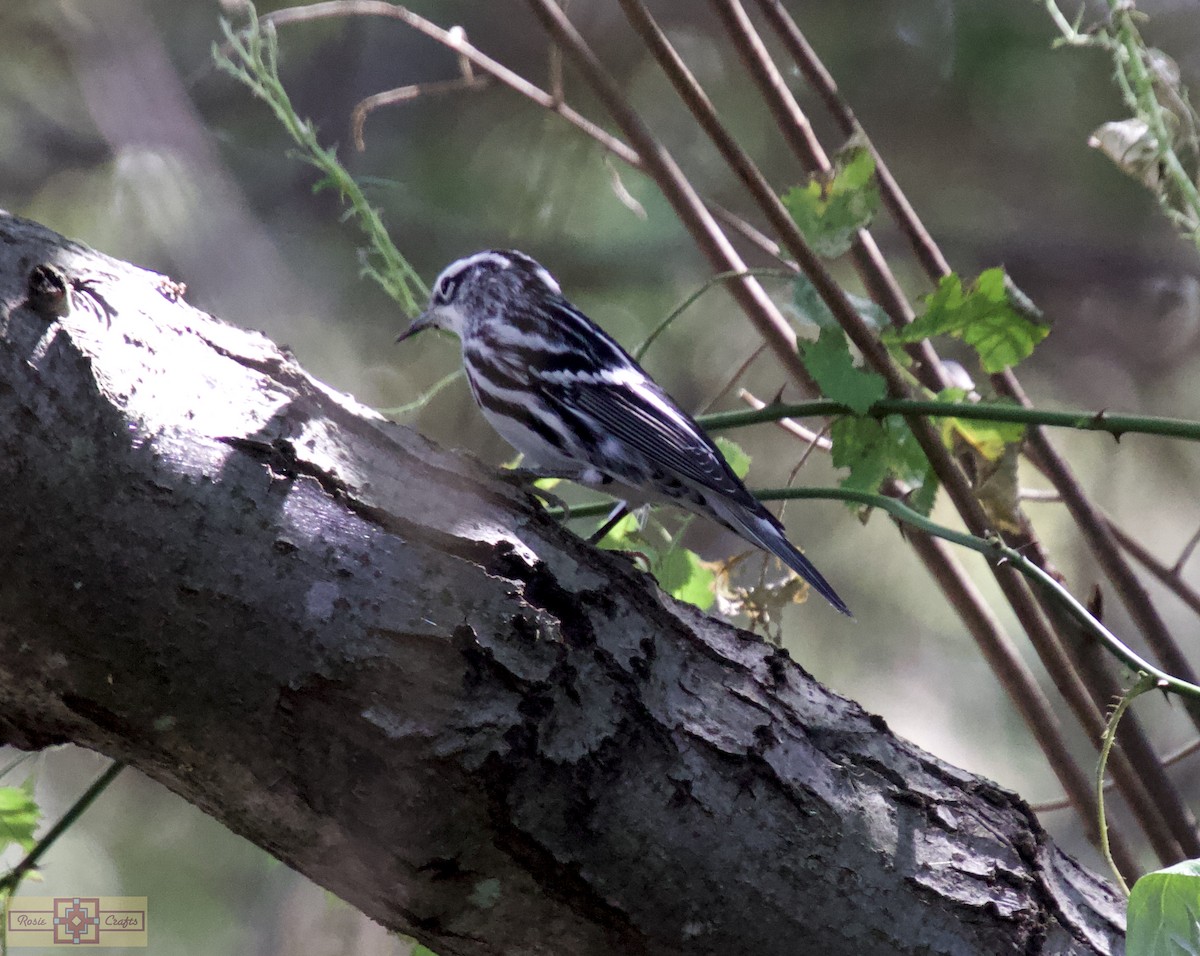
x=790 y=424
x=731 y=382
x=1166 y=575
x=405 y=94
x=458 y=44
x=1186 y=553
x=1040 y=495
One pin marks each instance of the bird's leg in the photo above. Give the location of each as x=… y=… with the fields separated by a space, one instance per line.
x=620 y=510
x=530 y=475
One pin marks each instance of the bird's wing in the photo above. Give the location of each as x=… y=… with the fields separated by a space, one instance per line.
x=633 y=410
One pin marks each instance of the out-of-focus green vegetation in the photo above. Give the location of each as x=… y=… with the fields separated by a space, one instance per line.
x=116 y=129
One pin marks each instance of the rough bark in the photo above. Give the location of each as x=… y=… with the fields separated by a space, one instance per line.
x=383 y=665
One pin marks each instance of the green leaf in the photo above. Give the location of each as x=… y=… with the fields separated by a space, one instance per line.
x=992 y=316
x=19 y=816
x=829 y=363
x=875 y=450
x=683 y=575
x=829 y=211
x=989 y=439
x=809 y=305
x=626 y=535
x=1164 y=912
x=735 y=455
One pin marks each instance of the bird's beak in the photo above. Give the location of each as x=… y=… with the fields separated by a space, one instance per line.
x=422 y=322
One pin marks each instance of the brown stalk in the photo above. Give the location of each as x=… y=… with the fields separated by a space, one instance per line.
x=791 y=120
x=1049 y=646
x=692 y=213
x=1168 y=576
x=819 y=78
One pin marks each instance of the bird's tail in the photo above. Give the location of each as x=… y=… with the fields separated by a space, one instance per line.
x=760 y=527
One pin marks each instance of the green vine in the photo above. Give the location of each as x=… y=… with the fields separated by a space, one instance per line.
x=255 y=62
x=1153 y=144
x=12 y=879
x=1115 y=425
x=1145 y=682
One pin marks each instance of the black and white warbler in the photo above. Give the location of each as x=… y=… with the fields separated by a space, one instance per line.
x=577 y=405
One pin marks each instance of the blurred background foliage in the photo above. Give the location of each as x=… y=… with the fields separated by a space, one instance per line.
x=115 y=129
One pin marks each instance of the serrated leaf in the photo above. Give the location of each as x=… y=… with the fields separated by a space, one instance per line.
x=988 y=439
x=735 y=455
x=999 y=492
x=830 y=210
x=829 y=363
x=875 y=450
x=859 y=444
x=19 y=816
x=992 y=317
x=922 y=498
x=685 y=577
x=809 y=306
x=1164 y=912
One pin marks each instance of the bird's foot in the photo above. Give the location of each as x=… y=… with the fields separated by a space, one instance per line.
x=526 y=479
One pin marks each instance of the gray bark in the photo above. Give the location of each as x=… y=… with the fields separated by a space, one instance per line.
x=384 y=666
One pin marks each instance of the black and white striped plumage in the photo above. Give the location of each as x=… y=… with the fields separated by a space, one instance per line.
x=577 y=405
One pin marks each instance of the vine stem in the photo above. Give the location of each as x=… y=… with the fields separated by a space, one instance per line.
x=1145 y=682
x=12 y=879
x=1102 y=421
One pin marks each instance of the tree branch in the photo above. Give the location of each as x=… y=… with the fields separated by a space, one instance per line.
x=383 y=665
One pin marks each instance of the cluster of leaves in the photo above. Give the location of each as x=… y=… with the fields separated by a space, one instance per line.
x=989 y=315
x=1002 y=328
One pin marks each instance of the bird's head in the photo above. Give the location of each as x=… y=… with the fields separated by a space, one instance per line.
x=480 y=286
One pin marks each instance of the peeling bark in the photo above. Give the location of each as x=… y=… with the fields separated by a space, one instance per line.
x=386 y=667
